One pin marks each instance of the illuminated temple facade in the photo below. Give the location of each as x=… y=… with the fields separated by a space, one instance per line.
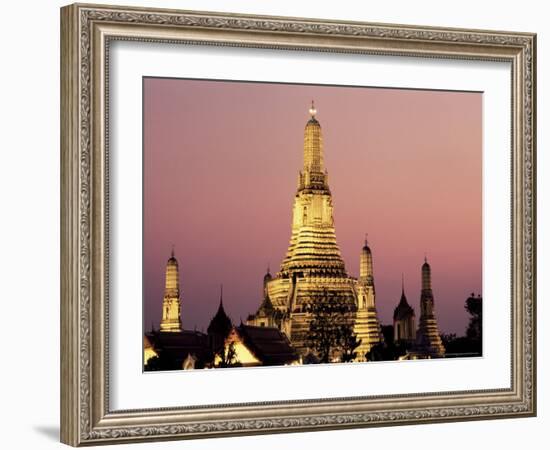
x=313 y=269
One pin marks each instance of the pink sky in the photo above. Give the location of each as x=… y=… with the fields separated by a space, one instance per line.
x=221 y=161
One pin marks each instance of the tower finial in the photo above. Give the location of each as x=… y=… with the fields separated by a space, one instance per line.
x=172 y=252
x=402 y=283
x=312 y=110
x=221 y=294
x=366 y=239
x=268 y=268
x=425 y=257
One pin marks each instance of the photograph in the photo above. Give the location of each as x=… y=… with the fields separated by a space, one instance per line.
x=295 y=224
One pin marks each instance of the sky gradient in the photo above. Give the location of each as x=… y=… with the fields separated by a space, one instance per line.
x=221 y=161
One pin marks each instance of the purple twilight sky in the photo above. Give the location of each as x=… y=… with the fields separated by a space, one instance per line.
x=221 y=161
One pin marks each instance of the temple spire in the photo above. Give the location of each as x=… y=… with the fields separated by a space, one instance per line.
x=313 y=245
x=312 y=110
x=366 y=272
x=426 y=276
x=171 y=306
x=428 y=339
x=313 y=146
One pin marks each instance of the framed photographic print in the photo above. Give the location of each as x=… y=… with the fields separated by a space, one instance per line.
x=276 y=224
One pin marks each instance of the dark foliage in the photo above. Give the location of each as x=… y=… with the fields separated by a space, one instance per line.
x=471 y=344
x=162 y=362
x=349 y=343
x=474 y=307
x=387 y=350
x=331 y=328
x=228 y=356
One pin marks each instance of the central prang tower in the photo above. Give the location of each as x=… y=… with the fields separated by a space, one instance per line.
x=313 y=269
x=313 y=249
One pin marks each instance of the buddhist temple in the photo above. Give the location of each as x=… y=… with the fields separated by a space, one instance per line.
x=313 y=269
x=219 y=327
x=404 y=327
x=428 y=340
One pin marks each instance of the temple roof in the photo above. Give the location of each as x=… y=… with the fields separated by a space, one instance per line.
x=182 y=339
x=266 y=305
x=267 y=276
x=146 y=342
x=267 y=344
x=179 y=345
x=403 y=309
x=220 y=323
x=172 y=259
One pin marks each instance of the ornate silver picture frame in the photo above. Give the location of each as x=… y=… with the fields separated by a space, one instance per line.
x=87 y=33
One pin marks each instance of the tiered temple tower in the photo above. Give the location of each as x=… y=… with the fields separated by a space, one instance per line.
x=171 y=306
x=404 y=328
x=367 y=326
x=428 y=340
x=313 y=269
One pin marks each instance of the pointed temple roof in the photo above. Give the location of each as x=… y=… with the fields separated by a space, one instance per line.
x=426 y=277
x=266 y=305
x=220 y=323
x=366 y=273
x=269 y=345
x=267 y=276
x=366 y=247
x=172 y=259
x=426 y=266
x=403 y=309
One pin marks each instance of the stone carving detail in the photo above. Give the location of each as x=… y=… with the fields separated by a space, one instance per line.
x=87 y=16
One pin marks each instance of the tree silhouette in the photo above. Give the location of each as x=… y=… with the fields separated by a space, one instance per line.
x=348 y=343
x=228 y=356
x=388 y=349
x=474 y=307
x=162 y=362
x=472 y=341
x=330 y=329
x=474 y=332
